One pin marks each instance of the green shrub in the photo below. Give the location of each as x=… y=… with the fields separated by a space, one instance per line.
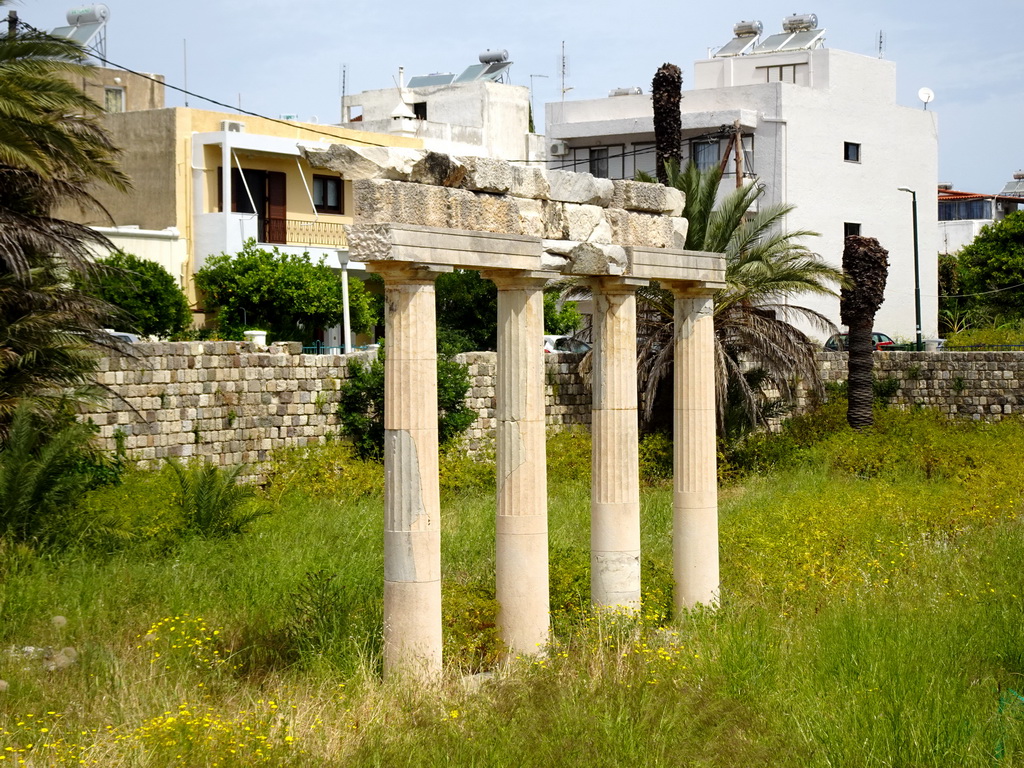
x=326 y=470
x=41 y=477
x=146 y=292
x=361 y=404
x=568 y=455
x=211 y=501
x=656 y=458
x=469 y=615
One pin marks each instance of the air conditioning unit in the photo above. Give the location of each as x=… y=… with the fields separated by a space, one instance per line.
x=558 y=149
x=232 y=125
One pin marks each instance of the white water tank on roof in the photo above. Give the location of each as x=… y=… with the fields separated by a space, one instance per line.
x=88 y=14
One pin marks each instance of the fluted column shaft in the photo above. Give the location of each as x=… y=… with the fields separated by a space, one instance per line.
x=695 y=502
x=522 y=520
x=615 y=484
x=412 y=532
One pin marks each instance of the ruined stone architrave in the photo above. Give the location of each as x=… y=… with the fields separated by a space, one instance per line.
x=522 y=227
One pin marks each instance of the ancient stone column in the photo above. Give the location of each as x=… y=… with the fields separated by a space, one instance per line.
x=522 y=520
x=615 y=483
x=695 y=502
x=412 y=535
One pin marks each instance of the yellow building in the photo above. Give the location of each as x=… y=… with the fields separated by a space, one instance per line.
x=184 y=207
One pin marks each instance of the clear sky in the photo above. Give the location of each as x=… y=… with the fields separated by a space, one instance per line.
x=286 y=57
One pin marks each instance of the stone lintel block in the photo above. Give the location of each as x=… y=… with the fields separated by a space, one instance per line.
x=597 y=259
x=426 y=245
x=366 y=162
x=698 y=267
x=530 y=181
x=487 y=174
x=644 y=197
x=569 y=187
x=642 y=229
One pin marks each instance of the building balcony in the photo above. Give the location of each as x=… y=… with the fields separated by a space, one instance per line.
x=227 y=233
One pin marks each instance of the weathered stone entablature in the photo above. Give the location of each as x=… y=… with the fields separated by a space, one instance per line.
x=418 y=213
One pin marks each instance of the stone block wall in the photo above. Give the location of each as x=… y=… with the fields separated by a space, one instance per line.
x=975 y=385
x=234 y=403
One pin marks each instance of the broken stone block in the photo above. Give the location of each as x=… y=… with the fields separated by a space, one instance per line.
x=500 y=214
x=680 y=227
x=642 y=196
x=486 y=174
x=643 y=229
x=379 y=201
x=581 y=220
x=597 y=259
x=559 y=247
x=677 y=200
x=395 y=163
x=465 y=210
x=569 y=187
x=529 y=181
x=438 y=169
x=552 y=261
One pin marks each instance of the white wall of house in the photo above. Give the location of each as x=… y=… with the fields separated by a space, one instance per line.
x=477 y=118
x=796 y=139
x=164 y=246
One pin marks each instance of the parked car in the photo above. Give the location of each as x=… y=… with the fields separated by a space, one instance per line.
x=838 y=342
x=565 y=344
x=123 y=336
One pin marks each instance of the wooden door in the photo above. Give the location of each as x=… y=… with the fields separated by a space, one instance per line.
x=277 y=208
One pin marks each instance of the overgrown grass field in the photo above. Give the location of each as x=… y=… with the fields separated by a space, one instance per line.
x=871 y=616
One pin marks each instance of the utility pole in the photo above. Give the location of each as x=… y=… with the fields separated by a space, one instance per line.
x=12 y=23
x=917 y=270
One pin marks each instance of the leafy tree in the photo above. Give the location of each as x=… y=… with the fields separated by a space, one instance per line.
x=467 y=312
x=866 y=264
x=361 y=404
x=765 y=267
x=561 y=321
x=286 y=295
x=666 y=93
x=149 y=296
x=992 y=267
x=52 y=150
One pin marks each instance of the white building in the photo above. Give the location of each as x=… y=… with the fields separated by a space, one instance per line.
x=821 y=130
x=962 y=215
x=474 y=113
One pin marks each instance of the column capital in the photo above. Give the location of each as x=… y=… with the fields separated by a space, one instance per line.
x=614 y=284
x=513 y=279
x=404 y=272
x=687 y=289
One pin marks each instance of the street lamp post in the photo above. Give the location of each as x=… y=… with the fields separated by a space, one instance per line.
x=917 y=269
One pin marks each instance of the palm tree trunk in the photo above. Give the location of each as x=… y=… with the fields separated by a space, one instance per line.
x=859 y=368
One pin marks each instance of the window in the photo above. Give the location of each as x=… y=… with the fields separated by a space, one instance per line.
x=113 y=99
x=603 y=162
x=851 y=152
x=327 y=194
x=645 y=158
x=705 y=154
x=960 y=210
x=851 y=228
x=782 y=73
x=419 y=109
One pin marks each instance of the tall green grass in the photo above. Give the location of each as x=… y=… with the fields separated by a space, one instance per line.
x=871 y=615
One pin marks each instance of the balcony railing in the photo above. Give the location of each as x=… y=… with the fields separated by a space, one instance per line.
x=326 y=234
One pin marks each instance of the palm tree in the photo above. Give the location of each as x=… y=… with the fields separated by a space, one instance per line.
x=866 y=264
x=52 y=149
x=666 y=93
x=757 y=349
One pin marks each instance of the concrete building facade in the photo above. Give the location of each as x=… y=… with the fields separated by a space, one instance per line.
x=821 y=130
x=962 y=215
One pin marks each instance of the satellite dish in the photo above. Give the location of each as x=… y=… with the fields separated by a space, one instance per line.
x=926 y=95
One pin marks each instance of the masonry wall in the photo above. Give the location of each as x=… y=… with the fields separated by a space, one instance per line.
x=975 y=385
x=234 y=403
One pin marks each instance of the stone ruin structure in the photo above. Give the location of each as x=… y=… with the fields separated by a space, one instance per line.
x=419 y=213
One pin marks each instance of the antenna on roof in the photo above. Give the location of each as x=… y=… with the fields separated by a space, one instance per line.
x=87 y=25
x=881 y=44
x=564 y=69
